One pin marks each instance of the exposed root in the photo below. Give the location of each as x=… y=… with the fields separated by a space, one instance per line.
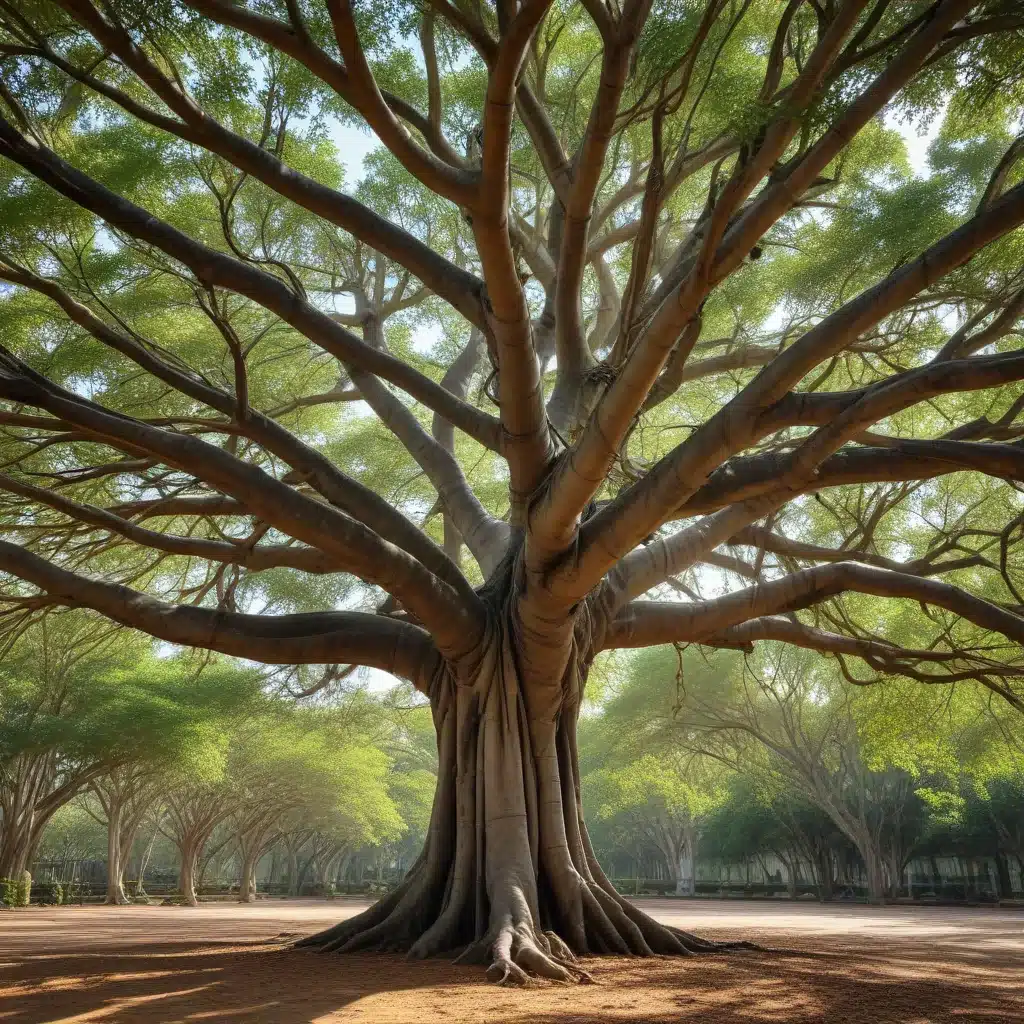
x=519 y=954
x=698 y=945
x=505 y=972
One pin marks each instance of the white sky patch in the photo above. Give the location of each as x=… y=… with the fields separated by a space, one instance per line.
x=917 y=139
x=353 y=146
x=378 y=681
x=425 y=337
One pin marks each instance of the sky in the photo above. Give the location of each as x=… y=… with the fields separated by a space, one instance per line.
x=353 y=144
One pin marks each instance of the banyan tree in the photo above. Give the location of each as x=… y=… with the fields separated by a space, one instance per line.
x=644 y=323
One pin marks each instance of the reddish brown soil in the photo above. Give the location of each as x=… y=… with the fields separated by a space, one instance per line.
x=227 y=963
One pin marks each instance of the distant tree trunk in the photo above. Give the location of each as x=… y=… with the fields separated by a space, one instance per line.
x=209 y=856
x=247 y=876
x=187 y=872
x=341 y=872
x=875 y=875
x=894 y=866
x=144 y=860
x=823 y=869
x=15 y=847
x=686 y=879
x=293 y=868
x=1003 y=877
x=115 y=866
x=792 y=878
x=129 y=832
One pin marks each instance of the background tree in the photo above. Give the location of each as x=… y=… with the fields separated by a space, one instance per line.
x=665 y=796
x=74 y=716
x=197 y=799
x=169 y=710
x=71 y=835
x=795 y=727
x=711 y=308
x=302 y=775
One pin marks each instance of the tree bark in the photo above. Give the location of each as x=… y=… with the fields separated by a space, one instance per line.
x=508 y=875
x=247 y=877
x=115 y=866
x=15 y=848
x=686 y=863
x=686 y=882
x=875 y=873
x=187 y=874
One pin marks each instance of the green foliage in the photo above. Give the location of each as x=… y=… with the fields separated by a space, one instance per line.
x=16 y=892
x=776 y=752
x=48 y=894
x=73 y=833
x=92 y=697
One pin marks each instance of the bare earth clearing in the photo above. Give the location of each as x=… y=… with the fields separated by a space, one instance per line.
x=225 y=962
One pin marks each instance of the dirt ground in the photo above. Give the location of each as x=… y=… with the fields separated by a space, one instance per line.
x=227 y=963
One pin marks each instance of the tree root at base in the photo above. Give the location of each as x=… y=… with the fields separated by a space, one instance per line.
x=514 y=951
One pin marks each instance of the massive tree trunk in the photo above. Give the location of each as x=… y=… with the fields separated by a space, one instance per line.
x=508 y=875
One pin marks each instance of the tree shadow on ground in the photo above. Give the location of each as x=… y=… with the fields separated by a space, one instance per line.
x=225 y=982
x=819 y=979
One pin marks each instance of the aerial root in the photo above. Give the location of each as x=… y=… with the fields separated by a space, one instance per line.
x=558 y=948
x=517 y=958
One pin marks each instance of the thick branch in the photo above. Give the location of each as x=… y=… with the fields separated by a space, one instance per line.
x=644 y=506
x=454 y=183
x=319 y=638
x=341 y=490
x=527 y=444
x=455 y=285
x=255 y=558
x=644 y=623
x=356 y=547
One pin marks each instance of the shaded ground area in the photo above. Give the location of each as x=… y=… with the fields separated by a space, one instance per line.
x=227 y=963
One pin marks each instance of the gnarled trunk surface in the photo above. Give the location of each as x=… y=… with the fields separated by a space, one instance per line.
x=507 y=875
